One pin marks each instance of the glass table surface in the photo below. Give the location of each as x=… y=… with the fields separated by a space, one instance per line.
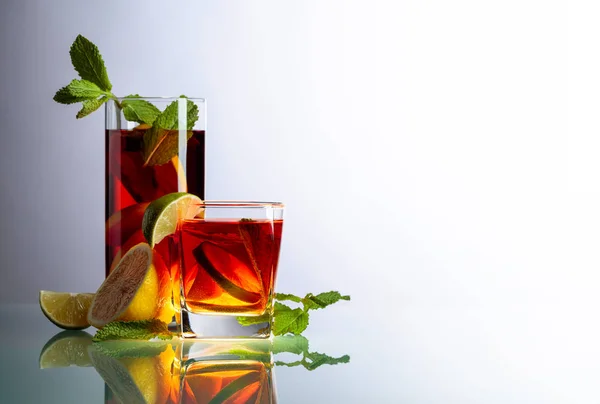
x=519 y=353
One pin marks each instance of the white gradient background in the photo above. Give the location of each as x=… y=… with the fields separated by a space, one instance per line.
x=433 y=156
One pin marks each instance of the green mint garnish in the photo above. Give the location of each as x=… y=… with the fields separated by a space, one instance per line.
x=161 y=141
x=246 y=220
x=141 y=330
x=294 y=321
x=288 y=320
x=88 y=62
x=90 y=106
x=137 y=110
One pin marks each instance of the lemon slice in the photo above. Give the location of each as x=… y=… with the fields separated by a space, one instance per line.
x=163 y=214
x=66 y=310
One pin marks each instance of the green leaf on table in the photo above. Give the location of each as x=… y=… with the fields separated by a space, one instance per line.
x=141 y=329
x=136 y=110
x=88 y=62
x=90 y=106
x=161 y=141
x=322 y=300
x=288 y=320
x=78 y=90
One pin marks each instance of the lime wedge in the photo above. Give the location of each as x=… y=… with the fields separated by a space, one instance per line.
x=163 y=214
x=67 y=348
x=66 y=310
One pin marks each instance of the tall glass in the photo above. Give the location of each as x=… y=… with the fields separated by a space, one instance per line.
x=229 y=254
x=144 y=163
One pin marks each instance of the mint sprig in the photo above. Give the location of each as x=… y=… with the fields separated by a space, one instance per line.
x=161 y=140
x=287 y=320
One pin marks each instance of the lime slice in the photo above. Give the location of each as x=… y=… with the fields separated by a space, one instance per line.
x=67 y=348
x=66 y=310
x=163 y=214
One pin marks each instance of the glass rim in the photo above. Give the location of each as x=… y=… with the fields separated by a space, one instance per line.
x=239 y=204
x=160 y=98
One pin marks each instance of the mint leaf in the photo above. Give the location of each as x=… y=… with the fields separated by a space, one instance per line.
x=161 y=142
x=322 y=300
x=168 y=119
x=136 y=110
x=285 y=296
x=296 y=344
x=142 y=330
x=90 y=106
x=88 y=62
x=76 y=91
x=289 y=320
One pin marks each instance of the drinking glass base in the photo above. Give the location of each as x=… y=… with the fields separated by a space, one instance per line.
x=222 y=327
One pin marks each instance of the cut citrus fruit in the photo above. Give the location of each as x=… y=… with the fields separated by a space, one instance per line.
x=67 y=348
x=163 y=214
x=66 y=310
x=135 y=290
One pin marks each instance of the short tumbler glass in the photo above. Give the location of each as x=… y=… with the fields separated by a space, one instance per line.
x=228 y=265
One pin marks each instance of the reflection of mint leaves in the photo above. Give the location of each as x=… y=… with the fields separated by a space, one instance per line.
x=298 y=344
x=287 y=344
x=131 y=348
x=142 y=330
x=287 y=320
x=312 y=360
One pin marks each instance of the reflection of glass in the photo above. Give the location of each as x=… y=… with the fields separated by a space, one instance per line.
x=183 y=371
x=144 y=164
x=240 y=382
x=228 y=268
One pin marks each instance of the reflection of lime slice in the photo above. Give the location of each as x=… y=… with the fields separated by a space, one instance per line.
x=67 y=348
x=66 y=310
x=162 y=215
